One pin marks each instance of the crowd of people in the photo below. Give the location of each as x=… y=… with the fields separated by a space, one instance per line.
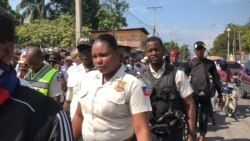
x=98 y=94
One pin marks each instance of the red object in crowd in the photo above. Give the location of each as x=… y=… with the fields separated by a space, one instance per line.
x=174 y=52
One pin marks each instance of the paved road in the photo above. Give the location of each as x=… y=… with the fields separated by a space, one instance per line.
x=232 y=129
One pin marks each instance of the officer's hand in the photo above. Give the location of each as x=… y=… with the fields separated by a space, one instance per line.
x=191 y=136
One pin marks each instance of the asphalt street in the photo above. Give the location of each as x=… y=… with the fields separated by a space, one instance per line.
x=236 y=128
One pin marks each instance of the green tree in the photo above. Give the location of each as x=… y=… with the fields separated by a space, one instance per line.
x=7 y=7
x=246 y=41
x=244 y=36
x=184 y=52
x=54 y=8
x=89 y=12
x=170 y=45
x=110 y=15
x=221 y=42
x=47 y=33
x=32 y=9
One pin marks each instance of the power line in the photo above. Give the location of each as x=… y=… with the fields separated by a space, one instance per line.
x=154 y=9
x=141 y=21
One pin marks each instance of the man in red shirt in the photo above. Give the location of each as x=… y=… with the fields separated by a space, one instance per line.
x=224 y=73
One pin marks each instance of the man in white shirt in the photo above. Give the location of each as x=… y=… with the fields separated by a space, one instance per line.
x=76 y=77
x=171 y=95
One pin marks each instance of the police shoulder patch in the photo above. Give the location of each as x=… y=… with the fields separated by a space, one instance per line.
x=120 y=86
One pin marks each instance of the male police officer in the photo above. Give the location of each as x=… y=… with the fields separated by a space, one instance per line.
x=171 y=97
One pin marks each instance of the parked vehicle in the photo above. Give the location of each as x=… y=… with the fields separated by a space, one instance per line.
x=235 y=68
x=244 y=77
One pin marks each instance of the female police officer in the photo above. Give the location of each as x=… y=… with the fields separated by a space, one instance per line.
x=114 y=104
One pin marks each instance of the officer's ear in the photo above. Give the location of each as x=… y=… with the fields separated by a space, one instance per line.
x=7 y=51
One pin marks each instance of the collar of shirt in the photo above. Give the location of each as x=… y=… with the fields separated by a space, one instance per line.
x=159 y=73
x=117 y=76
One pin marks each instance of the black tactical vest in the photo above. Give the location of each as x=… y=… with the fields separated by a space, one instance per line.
x=165 y=96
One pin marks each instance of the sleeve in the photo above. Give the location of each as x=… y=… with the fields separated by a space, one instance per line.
x=189 y=67
x=61 y=128
x=139 y=98
x=183 y=84
x=50 y=126
x=55 y=87
x=215 y=77
x=69 y=94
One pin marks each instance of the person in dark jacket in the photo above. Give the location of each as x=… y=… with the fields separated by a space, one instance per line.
x=202 y=96
x=25 y=115
x=170 y=95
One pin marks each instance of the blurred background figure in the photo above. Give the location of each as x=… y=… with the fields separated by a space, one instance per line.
x=23 y=66
x=174 y=60
x=68 y=63
x=174 y=56
x=54 y=61
x=224 y=73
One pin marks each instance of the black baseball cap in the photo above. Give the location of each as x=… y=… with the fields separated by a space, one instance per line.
x=85 y=42
x=199 y=44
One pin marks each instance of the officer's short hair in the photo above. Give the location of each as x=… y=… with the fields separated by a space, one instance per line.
x=154 y=38
x=7 y=30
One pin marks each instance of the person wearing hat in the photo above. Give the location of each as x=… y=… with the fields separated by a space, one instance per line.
x=77 y=76
x=174 y=56
x=55 y=61
x=204 y=79
x=68 y=62
x=173 y=59
x=73 y=61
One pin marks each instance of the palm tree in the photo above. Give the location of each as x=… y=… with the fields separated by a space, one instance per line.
x=32 y=9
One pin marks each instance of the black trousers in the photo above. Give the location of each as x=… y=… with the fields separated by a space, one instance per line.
x=203 y=110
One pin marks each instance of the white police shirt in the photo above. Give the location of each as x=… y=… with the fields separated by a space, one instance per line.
x=74 y=87
x=107 y=108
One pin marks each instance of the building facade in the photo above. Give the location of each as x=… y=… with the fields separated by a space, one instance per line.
x=132 y=37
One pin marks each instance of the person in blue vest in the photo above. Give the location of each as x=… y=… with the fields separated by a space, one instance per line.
x=43 y=77
x=25 y=115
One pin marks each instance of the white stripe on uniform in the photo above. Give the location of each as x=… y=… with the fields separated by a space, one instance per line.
x=64 y=126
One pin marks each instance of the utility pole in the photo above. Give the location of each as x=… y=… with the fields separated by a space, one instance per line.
x=154 y=9
x=228 y=46
x=234 y=46
x=241 y=57
x=78 y=12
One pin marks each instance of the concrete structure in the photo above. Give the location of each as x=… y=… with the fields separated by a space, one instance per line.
x=132 y=37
